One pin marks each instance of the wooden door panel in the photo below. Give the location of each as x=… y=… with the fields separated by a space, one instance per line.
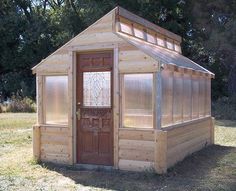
x=104 y=140
x=95 y=126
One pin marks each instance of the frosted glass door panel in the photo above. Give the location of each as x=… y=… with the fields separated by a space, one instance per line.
x=97 y=89
x=137 y=100
x=56 y=99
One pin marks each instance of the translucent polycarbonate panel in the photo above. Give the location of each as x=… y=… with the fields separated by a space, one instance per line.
x=125 y=28
x=97 y=89
x=202 y=96
x=167 y=97
x=178 y=98
x=177 y=48
x=151 y=38
x=56 y=99
x=169 y=45
x=137 y=100
x=138 y=33
x=160 y=41
x=208 y=97
x=187 y=97
x=195 y=97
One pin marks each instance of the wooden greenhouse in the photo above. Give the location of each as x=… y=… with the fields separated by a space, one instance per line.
x=121 y=95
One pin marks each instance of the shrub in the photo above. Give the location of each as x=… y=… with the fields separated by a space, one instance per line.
x=18 y=104
x=225 y=108
x=1 y=110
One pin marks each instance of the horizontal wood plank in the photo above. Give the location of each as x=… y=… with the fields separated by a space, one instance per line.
x=134 y=144
x=189 y=127
x=187 y=136
x=174 y=158
x=137 y=154
x=132 y=165
x=55 y=158
x=54 y=149
x=141 y=135
x=52 y=139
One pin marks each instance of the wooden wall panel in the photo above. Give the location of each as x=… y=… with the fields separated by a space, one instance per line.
x=184 y=140
x=136 y=149
x=36 y=142
x=54 y=145
x=98 y=33
x=132 y=165
x=136 y=61
x=140 y=135
x=58 y=63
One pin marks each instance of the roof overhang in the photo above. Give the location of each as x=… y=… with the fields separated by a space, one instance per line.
x=163 y=55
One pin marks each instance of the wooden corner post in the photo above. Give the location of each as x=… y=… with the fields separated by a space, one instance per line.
x=160 y=159
x=160 y=151
x=116 y=106
x=36 y=142
x=40 y=118
x=71 y=109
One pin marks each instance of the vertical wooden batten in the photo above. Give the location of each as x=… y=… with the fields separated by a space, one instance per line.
x=116 y=113
x=40 y=117
x=71 y=112
x=160 y=151
x=36 y=142
x=39 y=91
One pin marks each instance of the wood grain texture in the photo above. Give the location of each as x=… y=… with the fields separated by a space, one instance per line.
x=183 y=141
x=36 y=142
x=141 y=135
x=99 y=32
x=160 y=155
x=134 y=144
x=132 y=165
x=54 y=145
x=116 y=110
x=137 y=154
x=135 y=61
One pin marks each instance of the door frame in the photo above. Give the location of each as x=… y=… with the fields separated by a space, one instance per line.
x=79 y=98
x=115 y=100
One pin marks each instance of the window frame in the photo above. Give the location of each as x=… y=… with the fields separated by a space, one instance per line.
x=111 y=86
x=122 y=100
x=44 y=100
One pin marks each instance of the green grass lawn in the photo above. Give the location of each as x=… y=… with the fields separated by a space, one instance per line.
x=213 y=168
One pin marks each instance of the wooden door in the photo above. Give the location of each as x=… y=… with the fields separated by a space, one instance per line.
x=94 y=108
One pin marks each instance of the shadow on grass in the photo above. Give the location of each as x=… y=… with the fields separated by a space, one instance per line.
x=226 y=123
x=212 y=168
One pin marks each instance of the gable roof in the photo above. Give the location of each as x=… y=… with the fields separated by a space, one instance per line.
x=157 y=52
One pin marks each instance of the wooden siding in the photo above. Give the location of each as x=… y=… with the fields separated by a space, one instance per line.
x=101 y=32
x=135 y=61
x=136 y=149
x=54 y=144
x=186 y=139
x=57 y=63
